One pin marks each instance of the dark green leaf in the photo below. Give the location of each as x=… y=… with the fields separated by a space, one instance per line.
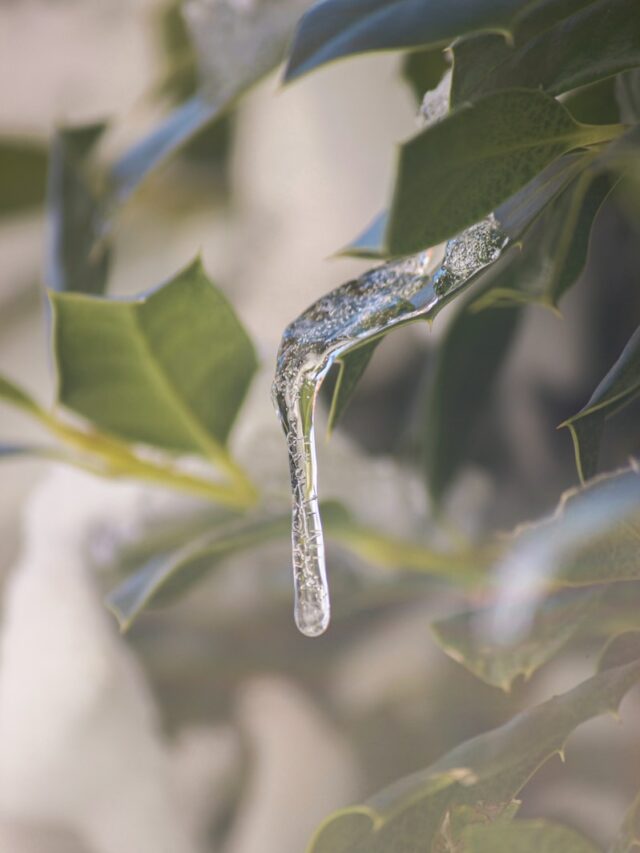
x=555 y=249
x=458 y=170
x=619 y=387
x=352 y=366
x=23 y=175
x=514 y=216
x=467 y=637
x=336 y=28
x=80 y=250
x=468 y=363
x=423 y=70
x=170 y=368
x=525 y=836
x=596 y=103
x=543 y=15
x=475 y=60
x=487 y=771
x=596 y=42
x=163 y=578
x=521 y=210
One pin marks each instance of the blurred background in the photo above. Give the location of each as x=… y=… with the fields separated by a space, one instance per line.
x=212 y=725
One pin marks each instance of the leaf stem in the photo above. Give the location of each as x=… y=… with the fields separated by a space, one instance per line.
x=107 y=456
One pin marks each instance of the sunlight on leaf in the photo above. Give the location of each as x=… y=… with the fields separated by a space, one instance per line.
x=466 y=637
x=338 y=28
x=592 y=538
x=488 y=770
x=169 y=369
x=445 y=184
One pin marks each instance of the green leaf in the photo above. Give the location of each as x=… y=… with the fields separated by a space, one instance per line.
x=596 y=103
x=352 y=366
x=597 y=42
x=543 y=15
x=628 y=838
x=23 y=175
x=164 y=577
x=458 y=170
x=488 y=771
x=169 y=369
x=619 y=387
x=467 y=637
x=337 y=28
x=79 y=244
x=555 y=249
x=514 y=216
x=520 y=211
x=423 y=70
x=593 y=537
x=461 y=388
x=235 y=47
x=525 y=836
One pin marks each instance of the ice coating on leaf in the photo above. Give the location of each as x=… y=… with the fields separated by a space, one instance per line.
x=435 y=104
x=238 y=41
x=355 y=313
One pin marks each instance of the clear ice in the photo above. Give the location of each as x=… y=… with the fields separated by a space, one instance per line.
x=355 y=313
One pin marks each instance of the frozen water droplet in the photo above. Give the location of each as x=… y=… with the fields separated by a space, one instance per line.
x=385 y=297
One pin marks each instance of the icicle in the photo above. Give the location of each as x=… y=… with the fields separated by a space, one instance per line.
x=358 y=311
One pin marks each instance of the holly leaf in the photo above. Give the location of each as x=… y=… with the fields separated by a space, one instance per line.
x=169 y=369
x=617 y=389
x=80 y=248
x=423 y=70
x=351 y=367
x=525 y=836
x=166 y=576
x=628 y=838
x=338 y=28
x=487 y=771
x=555 y=249
x=458 y=170
x=592 y=538
x=468 y=637
x=461 y=388
x=235 y=47
x=593 y=44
